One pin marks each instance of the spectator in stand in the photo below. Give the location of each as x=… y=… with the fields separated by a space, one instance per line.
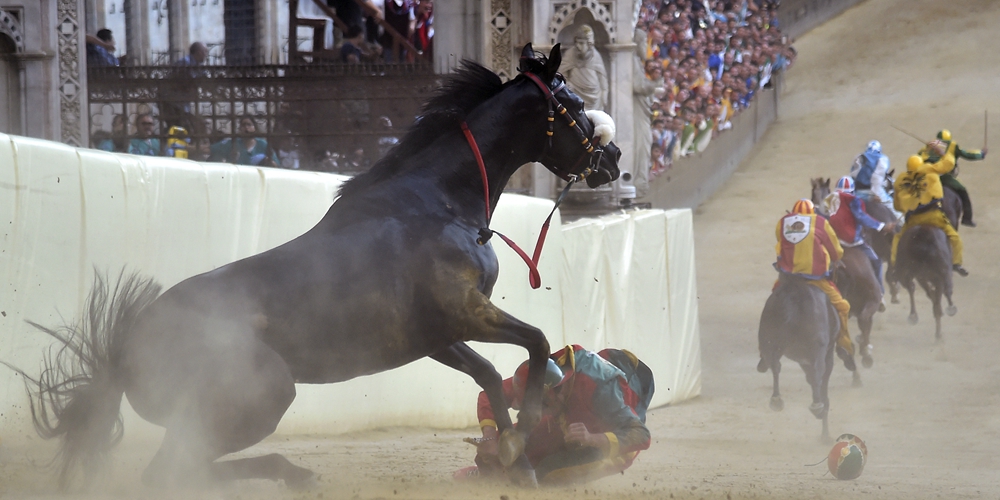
x=246 y=149
x=101 y=49
x=144 y=143
x=352 y=12
x=400 y=15
x=356 y=49
x=423 y=28
x=114 y=141
x=288 y=152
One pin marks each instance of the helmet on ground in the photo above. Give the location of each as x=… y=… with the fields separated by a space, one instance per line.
x=553 y=377
x=804 y=207
x=848 y=457
x=875 y=147
x=846 y=183
x=913 y=163
x=944 y=135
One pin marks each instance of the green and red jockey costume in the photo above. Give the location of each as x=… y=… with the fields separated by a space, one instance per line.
x=609 y=392
x=950 y=180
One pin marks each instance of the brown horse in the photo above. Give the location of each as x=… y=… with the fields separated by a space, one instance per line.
x=857 y=281
x=800 y=323
x=924 y=255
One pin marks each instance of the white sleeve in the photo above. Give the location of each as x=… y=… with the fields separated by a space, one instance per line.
x=878 y=177
x=856 y=167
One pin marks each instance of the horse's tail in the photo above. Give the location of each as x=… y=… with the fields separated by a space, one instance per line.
x=777 y=317
x=77 y=397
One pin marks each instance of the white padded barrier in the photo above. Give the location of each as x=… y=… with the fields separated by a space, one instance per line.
x=624 y=280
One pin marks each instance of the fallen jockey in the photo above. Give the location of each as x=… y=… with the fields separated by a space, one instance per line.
x=919 y=195
x=808 y=247
x=593 y=422
x=950 y=179
x=869 y=172
x=848 y=217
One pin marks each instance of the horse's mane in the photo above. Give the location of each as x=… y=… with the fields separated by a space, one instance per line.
x=467 y=87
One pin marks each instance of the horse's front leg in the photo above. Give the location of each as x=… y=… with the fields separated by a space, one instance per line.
x=487 y=323
x=911 y=288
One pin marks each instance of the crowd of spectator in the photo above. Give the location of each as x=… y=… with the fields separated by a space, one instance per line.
x=709 y=58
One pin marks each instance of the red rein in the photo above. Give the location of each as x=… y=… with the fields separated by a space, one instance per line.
x=532 y=262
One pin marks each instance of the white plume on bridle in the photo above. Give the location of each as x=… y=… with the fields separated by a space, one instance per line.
x=604 y=125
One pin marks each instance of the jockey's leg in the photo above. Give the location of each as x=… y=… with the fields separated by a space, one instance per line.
x=953 y=238
x=876 y=264
x=895 y=240
x=963 y=194
x=843 y=310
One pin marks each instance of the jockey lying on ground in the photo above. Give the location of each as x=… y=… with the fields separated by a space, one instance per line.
x=593 y=422
x=848 y=218
x=919 y=195
x=950 y=179
x=808 y=247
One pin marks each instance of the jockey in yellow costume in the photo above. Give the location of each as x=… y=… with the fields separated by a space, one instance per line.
x=930 y=155
x=919 y=195
x=808 y=247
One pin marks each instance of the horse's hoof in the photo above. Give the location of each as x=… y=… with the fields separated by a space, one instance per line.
x=777 y=404
x=912 y=319
x=951 y=310
x=510 y=446
x=525 y=478
x=867 y=361
x=894 y=300
x=818 y=409
x=762 y=366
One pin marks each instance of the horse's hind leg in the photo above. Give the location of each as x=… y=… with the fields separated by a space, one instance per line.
x=233 y=402
x=911 y=289
x=776 y=403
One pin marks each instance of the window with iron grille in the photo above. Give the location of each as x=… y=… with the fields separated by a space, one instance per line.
x=241 y=32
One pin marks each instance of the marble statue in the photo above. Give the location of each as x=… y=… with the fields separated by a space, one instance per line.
x=584 y=70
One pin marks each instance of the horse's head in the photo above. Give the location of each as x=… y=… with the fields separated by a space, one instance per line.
x=820 y=189
x=579 y=142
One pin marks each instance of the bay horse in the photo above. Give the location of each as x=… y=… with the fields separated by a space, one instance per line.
x=800 y=323
x=857 y=281
x=401 y=267
x=924 y=256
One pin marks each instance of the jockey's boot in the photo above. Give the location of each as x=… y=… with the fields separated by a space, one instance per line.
x=847 y=359
x=959 y=269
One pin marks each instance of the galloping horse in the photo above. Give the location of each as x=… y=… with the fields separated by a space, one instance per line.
x=799 y=322
x=857 y=282
x=399 y=268
x=924 y=255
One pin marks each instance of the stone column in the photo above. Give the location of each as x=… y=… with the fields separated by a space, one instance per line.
x=178 y=14
x=137 y=31
x=73 y=119
x=463 y=38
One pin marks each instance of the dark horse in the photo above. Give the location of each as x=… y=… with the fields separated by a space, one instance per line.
x=399 y=268
x=924 y=255
x=857 y=281
x=799 y=322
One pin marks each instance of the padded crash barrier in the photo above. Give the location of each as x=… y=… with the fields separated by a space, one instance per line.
x=624 y=280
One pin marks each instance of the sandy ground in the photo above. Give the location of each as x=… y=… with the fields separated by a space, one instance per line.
x=927 y=411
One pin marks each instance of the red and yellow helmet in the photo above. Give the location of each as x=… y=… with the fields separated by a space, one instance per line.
x=804 y=207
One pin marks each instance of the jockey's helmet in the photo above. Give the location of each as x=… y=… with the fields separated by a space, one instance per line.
x=913 y=163
x=875 y=147
x=553 y=377
x=804 y=207
x=846 y=183
x=944 y=135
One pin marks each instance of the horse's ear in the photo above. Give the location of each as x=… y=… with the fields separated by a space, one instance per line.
x=527 y=52
x=555 y=59
x=891 y=172
x=827 y=182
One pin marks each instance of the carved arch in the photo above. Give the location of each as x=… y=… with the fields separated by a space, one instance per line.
x=566 y=12
x=10 y=26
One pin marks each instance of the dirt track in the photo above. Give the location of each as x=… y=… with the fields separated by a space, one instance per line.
x=929 y=413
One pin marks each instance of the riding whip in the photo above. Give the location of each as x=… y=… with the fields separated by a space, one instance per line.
x=909 y=134
x=986 y=126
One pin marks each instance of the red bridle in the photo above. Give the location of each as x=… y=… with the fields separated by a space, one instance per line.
x=534 y=279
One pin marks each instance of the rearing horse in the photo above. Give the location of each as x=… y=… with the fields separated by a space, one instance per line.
x=400 y=267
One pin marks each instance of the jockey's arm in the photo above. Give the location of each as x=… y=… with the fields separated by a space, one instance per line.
x=878 y=178
x=831 y=242
x=862 y=217
x=945 y=165
x=972 y=154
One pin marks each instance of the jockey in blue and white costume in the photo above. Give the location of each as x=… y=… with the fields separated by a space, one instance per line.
x=869 y=172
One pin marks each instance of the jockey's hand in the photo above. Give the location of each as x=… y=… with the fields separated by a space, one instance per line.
x=838 y=265
x=889 y=228
x=577 y=433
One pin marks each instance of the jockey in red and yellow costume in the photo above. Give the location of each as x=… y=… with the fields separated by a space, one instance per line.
x=593 y=422
x=919 y=195
x=849 y=217
x=808 y=247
